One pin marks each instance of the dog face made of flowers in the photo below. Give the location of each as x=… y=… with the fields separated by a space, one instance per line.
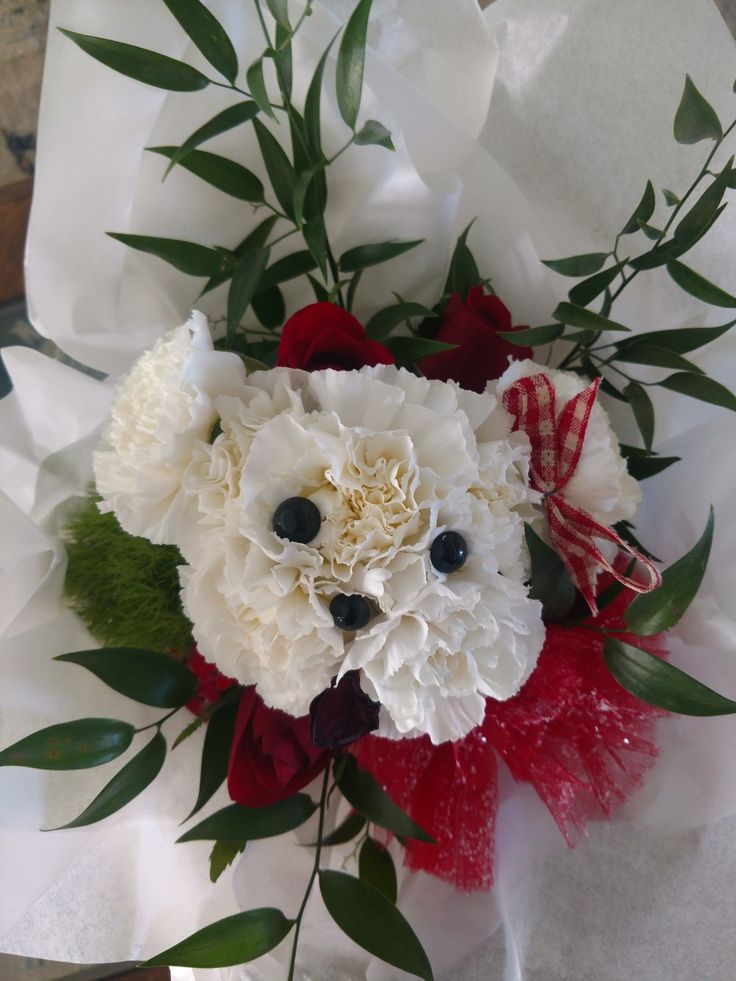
x=339 y=521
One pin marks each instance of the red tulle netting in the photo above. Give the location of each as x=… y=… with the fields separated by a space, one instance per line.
x=573 y=733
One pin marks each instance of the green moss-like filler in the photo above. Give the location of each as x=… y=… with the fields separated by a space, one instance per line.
x=124 y=588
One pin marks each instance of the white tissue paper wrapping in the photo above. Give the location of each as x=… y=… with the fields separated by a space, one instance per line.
x=580 y=116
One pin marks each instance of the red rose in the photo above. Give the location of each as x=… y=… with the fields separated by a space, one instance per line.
x=481 y=355
x=272 y=755
x=323 y=335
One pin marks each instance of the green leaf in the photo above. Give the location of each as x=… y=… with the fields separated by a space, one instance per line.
x=695 y=119
x=280 y=12
x=360 y=790
x=208 y=35
x=145 y=676
x=576 y=316
x=140 y=63
x=408 y=350
x=283 y=62
x=363 y=256
x=301 y=189
x=241 y=112
x=257 y=86
x=374 y=923
x=671 y=199
x=577 y=265
x=321 y=295
x=550 y=580
x=373 y=133
x=642 y=467
x=532 y=336
x=659 y=357
x=463 y=273
x=700 y=217
x=612 y=590
x=215 y=755
x=312 y=106
x=269 y=307
x=127 y=783
x=280 y=172
x=584 y=293
x=682 y=339
x=245 y=284
x=382 y=323
x=227 y=697
x=187 y=257
x=661 y=609
x=350 y=63
x=699 y=287
x=226 y=175
x=253 y=240
x=376 y=867
x=701 y=388
x=643 y=211
x=288 y=267
x=315 y=237
x=223 y=854
x=658 y=683
x=626 y=531
x=350 y=827
x=70 y=745
x=676 y=247
x=650 y=231
x=238 y=823
x=641 y=406
x=235 y=940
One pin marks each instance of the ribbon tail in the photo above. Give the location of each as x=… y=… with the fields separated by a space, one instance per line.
x=573 y=530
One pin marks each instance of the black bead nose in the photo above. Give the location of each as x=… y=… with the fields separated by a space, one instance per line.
x=448 y=551
x=350 y=612
x=297 y=519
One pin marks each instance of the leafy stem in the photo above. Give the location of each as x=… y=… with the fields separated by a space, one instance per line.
x=315 y=870
x=626 y=279
x=160 y=722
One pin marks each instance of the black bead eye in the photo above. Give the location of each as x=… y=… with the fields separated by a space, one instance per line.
x=448 y=551
x=297 y=520
x=350 y=612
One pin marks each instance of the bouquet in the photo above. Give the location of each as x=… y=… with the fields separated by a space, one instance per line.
x=363 y=539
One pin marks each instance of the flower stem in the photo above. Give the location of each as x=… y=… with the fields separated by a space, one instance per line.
x=313 y=876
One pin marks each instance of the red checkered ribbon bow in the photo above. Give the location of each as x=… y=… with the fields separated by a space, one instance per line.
x=556 y=446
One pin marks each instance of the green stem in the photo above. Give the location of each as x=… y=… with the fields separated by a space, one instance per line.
x=313 y=876
x=263 y=22
x=339 y=153
x=625 y=280
x=160 y=721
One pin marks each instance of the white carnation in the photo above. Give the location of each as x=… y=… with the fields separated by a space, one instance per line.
x=391 y=461
x=161 y=410
x=601 y=484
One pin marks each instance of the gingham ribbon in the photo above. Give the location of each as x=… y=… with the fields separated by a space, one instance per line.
x=556 y=445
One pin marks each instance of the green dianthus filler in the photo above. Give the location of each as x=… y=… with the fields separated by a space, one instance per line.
x=124 y=588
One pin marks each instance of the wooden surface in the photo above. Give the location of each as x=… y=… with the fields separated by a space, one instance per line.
x=15 y=203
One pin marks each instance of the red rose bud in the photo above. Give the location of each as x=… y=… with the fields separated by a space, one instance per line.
x=324 y=335
x=480 y=355
x=343 y=713
x=271 y=756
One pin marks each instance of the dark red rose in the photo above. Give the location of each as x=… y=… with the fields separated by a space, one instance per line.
x=212 y=683
x=481 y=355
x=324 y=335
x=343 y=713
x=272 y=755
